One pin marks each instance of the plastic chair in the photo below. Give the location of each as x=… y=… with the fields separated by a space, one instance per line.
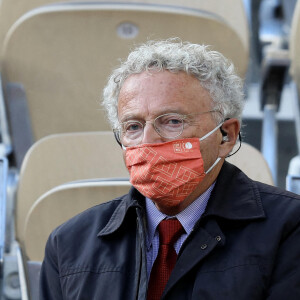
x=244 y=159
x=11 y=11
x=62 y=158
x=62 y=54
x=60 y=204
x=51 y=210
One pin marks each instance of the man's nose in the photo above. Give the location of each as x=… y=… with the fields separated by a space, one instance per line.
x=150 y=134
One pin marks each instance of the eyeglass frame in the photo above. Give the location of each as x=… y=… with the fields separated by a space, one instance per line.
x=117 y=131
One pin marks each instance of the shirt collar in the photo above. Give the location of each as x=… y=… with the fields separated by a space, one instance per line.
x=188 y=217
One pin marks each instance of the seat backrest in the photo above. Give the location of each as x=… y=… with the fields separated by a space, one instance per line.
x=63 y=69
x=244 y=159
x=11 y=11
x=62 y=158
x=60 y=204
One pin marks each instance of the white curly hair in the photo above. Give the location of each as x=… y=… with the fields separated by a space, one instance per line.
x=214 y=72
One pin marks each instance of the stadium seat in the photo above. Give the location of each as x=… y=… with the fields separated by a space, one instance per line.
x=51 y=210
x=10 y=11
x=62 y=54
x=62 y=158
x=60 y=204
x=244 y=158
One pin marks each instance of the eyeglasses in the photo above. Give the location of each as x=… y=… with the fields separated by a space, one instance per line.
x=168 y=126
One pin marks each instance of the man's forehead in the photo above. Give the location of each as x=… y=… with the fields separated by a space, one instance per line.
x=163 y=81
x=162 y=92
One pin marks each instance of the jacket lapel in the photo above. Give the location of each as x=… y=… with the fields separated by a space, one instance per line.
x=199 y=244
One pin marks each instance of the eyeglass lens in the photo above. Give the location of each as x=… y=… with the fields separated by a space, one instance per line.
x=167 y=126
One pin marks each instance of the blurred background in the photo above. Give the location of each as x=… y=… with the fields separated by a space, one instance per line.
x=57 y=151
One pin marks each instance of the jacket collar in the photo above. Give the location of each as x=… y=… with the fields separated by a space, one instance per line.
x=234 y=197
x=130 y=201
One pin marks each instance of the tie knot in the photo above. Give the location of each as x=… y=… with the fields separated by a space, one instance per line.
x=169 y=231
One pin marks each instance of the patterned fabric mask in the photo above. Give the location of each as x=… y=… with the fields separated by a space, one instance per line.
x=167 y=172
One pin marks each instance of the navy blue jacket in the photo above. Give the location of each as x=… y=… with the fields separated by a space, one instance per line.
x=245 y=246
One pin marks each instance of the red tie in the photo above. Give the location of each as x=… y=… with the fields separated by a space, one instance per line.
x=169 y=232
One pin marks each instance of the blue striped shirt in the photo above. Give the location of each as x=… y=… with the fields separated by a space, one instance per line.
x=187 y=218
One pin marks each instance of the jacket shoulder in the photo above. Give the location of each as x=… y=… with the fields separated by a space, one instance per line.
x=281 y=206
x=272 y=193
x=248 y=196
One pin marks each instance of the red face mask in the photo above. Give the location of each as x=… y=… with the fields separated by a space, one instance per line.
x=167 y=172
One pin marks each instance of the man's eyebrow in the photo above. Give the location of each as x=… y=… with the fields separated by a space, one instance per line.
x=173 y=110
x=131 y=116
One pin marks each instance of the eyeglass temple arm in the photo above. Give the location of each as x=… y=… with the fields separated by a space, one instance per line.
x=115 y=135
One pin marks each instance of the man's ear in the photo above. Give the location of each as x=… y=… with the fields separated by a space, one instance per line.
x=230 y=132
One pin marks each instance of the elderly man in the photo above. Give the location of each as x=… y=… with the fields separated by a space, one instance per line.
x=192 y=226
